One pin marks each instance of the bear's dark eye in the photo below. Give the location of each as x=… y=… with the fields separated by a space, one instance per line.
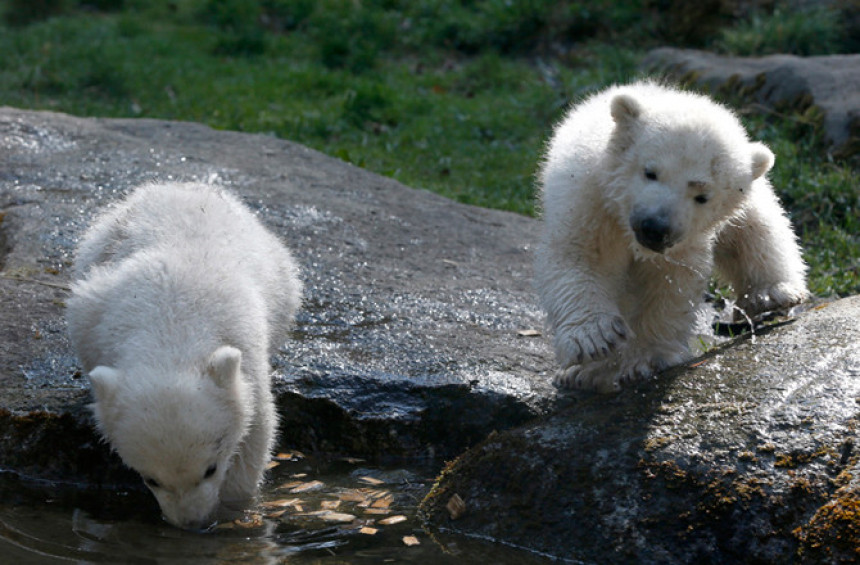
x=210 y=471
x=701 y=199
x=151 y=483
x=650 y=175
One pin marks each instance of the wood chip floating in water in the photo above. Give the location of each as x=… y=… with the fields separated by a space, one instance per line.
x=456 y=506
x=377 y=511
x=296 y=487
x=342 y=517
x=330 y=516
x=289 y=456
x=252 y=521
x=281 y=503
x=352 y=496
x=371 y=481
x=411 y=540
x=367 y=530
x=329 y=504
x=392 y=520
x=529 y=333
x=382 y=502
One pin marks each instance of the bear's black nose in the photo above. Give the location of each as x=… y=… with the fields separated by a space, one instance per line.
x=653 y=232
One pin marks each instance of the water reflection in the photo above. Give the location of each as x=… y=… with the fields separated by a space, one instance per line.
x=312 y=511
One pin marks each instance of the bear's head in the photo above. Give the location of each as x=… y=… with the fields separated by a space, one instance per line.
x=681 y=166
x=179 y=429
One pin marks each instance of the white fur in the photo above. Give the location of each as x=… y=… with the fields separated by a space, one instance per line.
x=627 y=250
x=179 y=293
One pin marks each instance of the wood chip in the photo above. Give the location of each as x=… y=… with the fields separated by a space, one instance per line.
x=289 y=456
x=352 y=460
x=338 y=517
x=296 y=487
x=456 y=506
x=383 y=502
x=529 y=333
x=341 y=517
x=252 y=521
x=280 y=503
x=371 y=481
x=272 y=465
x=411 y=540
x=392 y=520
x=291 y=484
x=351 y=496
x=276 y=514
x=329 y=504
x=377 y=511
x=367 y=530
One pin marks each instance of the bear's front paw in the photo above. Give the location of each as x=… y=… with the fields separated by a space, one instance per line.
x=592 y=340
x=777 y=297
x=595 y=377
x=641 y=369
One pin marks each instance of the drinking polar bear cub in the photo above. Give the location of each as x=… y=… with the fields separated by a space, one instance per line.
x=645 y=190
x=179 y=291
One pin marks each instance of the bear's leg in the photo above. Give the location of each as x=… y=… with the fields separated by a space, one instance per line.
x=248 y=465
x=576 y=291
x=758 y=254
x=662 y=315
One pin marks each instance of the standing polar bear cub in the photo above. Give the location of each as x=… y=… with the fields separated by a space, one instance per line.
x=645 y=190
x=179 y=292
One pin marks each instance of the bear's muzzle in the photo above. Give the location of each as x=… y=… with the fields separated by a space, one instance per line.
x=653 y=231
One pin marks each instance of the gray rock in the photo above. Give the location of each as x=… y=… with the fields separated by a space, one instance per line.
x=750 y=455
x=830 y=84
x=408 y=342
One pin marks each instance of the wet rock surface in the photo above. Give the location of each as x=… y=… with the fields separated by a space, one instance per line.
x=826 y=87
x=408 y=342
x=747 y=456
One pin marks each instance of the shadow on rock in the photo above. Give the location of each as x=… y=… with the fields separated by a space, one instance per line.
x=748 y=455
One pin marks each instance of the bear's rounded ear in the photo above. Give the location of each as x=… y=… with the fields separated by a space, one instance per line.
x=223 y=366
x=104 y=382
x=762 y=159
x=625 y=109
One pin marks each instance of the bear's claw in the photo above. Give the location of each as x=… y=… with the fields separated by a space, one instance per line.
x=592 y=340
x=780 y=296
x=595 y=377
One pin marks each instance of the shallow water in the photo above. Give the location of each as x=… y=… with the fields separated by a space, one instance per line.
x=336 y=514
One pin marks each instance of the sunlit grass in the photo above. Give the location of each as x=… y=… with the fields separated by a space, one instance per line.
x=419 y=91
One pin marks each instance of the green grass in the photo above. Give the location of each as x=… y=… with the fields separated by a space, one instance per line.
x=803 y=32
x=454 y=97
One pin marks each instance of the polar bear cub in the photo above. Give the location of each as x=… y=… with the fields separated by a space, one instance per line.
x=179 y=293
x=645 y=190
